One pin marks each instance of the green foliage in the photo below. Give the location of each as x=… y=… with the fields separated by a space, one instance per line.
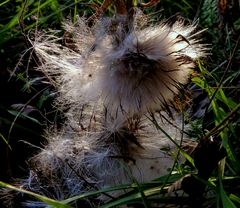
x=224 y=109
x=21 y=16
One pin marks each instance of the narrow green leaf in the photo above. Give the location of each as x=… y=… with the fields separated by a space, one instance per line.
x=11 y=24
x=184 y=153
x=235 y=198
x=3 y=138
x=226 y=201
x=1 y=4
x=94 y=193
x=24 y=116
x=47 y=200
x=136 y=197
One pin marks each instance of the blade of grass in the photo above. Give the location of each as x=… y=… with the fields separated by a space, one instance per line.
x=234 y=198
x=10 y=24
x=5 y=141
x=134 y=197
x=44 y=199
x=1 y=4
x=24 y=116
x=226 y=201
x=94 y=193
x=184 y=153
x=75 y=12
x=156 y=183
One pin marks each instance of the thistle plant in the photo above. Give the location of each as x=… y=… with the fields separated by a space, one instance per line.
x=116 y=83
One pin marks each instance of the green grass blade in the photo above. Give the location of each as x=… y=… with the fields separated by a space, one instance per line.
x=234 y=198
x=156 y=183
x=94 y=193
x=5 y=141
x=136 y=197
x=1 y=4
x=10 y=24
x=184 y=153
x=24 y=116
x=226 y=201
x=47 y=200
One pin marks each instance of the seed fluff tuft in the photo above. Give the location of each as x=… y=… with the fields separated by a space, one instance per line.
x=136 y=71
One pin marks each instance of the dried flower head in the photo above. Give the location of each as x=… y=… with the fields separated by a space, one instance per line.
x=112 y=74
x=76 y=162
x=145 y=71
x=129 y=71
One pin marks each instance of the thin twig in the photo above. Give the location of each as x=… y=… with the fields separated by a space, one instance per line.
x=223 y=123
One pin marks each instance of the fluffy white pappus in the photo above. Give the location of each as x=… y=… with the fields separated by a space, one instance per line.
x=130 y=72
x=65 y=64
x=111 y=80
x=145 y=71
x=63 y=67
x=74 y=163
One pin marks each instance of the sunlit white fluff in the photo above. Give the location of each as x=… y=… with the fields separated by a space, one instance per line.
x=75 y=162
x=142 y=73
x=147 y=69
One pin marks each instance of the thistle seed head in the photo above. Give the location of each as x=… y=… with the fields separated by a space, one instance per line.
x=129 y=72
x=146 y=70
x=111 y=78
x=75 y=162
